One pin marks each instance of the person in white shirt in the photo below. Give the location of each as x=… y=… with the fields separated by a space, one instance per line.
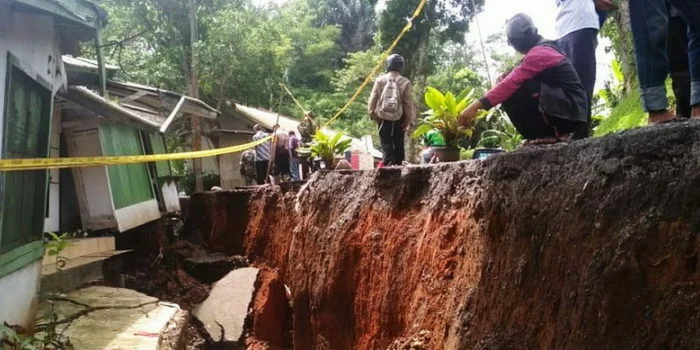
x=577 y=27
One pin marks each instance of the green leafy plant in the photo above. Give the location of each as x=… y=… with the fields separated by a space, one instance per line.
x=327 y=148
x=503 y=135
x=11 y=338
x=444 y=116
x=55 y=245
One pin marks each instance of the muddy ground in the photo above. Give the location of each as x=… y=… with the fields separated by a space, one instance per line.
x=588 y=245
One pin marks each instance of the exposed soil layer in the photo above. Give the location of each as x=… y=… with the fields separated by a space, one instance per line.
x=588 y=245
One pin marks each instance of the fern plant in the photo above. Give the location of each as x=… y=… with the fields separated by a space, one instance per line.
x=327 y=148
x=443 y=115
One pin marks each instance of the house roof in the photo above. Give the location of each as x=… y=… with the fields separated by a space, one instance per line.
x=137 y=95
x=81 y=12
x=268 y=119
x=85 y=64
x=97 y=104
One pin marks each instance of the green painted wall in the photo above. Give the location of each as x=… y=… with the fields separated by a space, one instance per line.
x=158 y=147
x=129 y=183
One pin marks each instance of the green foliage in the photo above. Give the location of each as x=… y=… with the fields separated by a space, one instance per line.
x=209 y=180
x=626 y=115
x=503 y=134
x=49 y=338
x=466 y=153
x=55 y=244
x=444 y=116
x=355 y=18
x=327 y=148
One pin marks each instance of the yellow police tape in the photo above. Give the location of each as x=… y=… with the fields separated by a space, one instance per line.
x=55 y=163
x=77 y=162
x=380 y=61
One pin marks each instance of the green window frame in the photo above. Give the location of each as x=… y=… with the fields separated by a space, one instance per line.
x=130 y=183
x=26 y=129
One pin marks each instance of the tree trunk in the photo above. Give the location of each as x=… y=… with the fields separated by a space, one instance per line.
x=194 y=92
x=625 y=44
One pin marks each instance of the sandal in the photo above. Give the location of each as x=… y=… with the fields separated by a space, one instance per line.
x=546 y=141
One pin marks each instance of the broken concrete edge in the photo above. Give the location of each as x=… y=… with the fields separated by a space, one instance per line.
x=270 y=316
x=173 y=337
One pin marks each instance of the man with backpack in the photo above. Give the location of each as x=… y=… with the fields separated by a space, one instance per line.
x=391 y=106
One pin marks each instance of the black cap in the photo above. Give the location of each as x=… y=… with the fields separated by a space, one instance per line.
x=522 y=33
x=395 y=62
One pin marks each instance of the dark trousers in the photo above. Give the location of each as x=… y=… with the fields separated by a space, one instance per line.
x=523 y=109
x=392 y=137
x=678 y=64
x=650 y=25
x=579 y=47
x=261 y=171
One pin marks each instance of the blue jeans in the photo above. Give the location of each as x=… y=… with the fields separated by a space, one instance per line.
x=294 y=169
x=650 y=31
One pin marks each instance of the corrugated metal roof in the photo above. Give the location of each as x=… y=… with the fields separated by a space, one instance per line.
x=269 y=118
x=82 y=62
x=89 y=100
x=157 y=90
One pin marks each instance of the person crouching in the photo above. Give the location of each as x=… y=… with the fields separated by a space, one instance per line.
x=543 y=96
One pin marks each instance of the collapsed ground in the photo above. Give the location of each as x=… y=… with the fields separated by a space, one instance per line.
x=588 y=245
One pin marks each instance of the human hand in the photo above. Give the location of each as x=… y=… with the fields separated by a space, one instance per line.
x=468 y=114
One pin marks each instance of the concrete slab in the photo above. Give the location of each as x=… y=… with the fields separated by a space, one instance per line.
x=114 y=318
x=76 y=271
x=83 y=246
x=227 y=304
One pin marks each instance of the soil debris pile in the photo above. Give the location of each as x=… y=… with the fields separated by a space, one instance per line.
x=588 y=245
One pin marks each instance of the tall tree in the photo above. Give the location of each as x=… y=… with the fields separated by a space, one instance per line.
x=355 y=18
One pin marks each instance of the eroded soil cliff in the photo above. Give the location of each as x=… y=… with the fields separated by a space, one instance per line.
x=588 y=245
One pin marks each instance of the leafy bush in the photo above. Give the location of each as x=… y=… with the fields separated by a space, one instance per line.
x=444 y=116
x=503 y=135
x=327 y=148
x=209 y=179
x=626 y=115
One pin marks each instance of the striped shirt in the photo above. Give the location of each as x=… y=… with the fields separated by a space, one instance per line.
x=262 y=151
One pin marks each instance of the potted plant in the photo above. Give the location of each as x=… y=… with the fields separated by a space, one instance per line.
x=443 y=116
x=326 y=148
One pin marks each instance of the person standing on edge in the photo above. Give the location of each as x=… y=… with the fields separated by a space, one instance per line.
x=294 y=164
x=247 y=165
x=650 y=25
x=391 y=106
x=577 y=26
x=262 y=155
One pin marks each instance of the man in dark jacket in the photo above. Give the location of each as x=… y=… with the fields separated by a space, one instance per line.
x=543 y=95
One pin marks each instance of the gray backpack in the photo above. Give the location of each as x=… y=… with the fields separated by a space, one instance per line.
x=390 y=106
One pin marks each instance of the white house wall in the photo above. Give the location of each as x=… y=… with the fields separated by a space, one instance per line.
x=51 y=223
x=18 y=298
x=31 y=39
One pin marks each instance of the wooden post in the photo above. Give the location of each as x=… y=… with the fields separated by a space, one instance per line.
x=194 y=92
x=101 y=60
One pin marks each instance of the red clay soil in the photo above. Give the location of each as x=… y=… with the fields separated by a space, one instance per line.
x=270 y=319
x=588 y=245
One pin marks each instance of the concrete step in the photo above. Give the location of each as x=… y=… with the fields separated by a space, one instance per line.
x=76 y=271
x=83 y=246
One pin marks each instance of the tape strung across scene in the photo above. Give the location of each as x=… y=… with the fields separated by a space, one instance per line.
x=77 y=162
x=380 y=62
